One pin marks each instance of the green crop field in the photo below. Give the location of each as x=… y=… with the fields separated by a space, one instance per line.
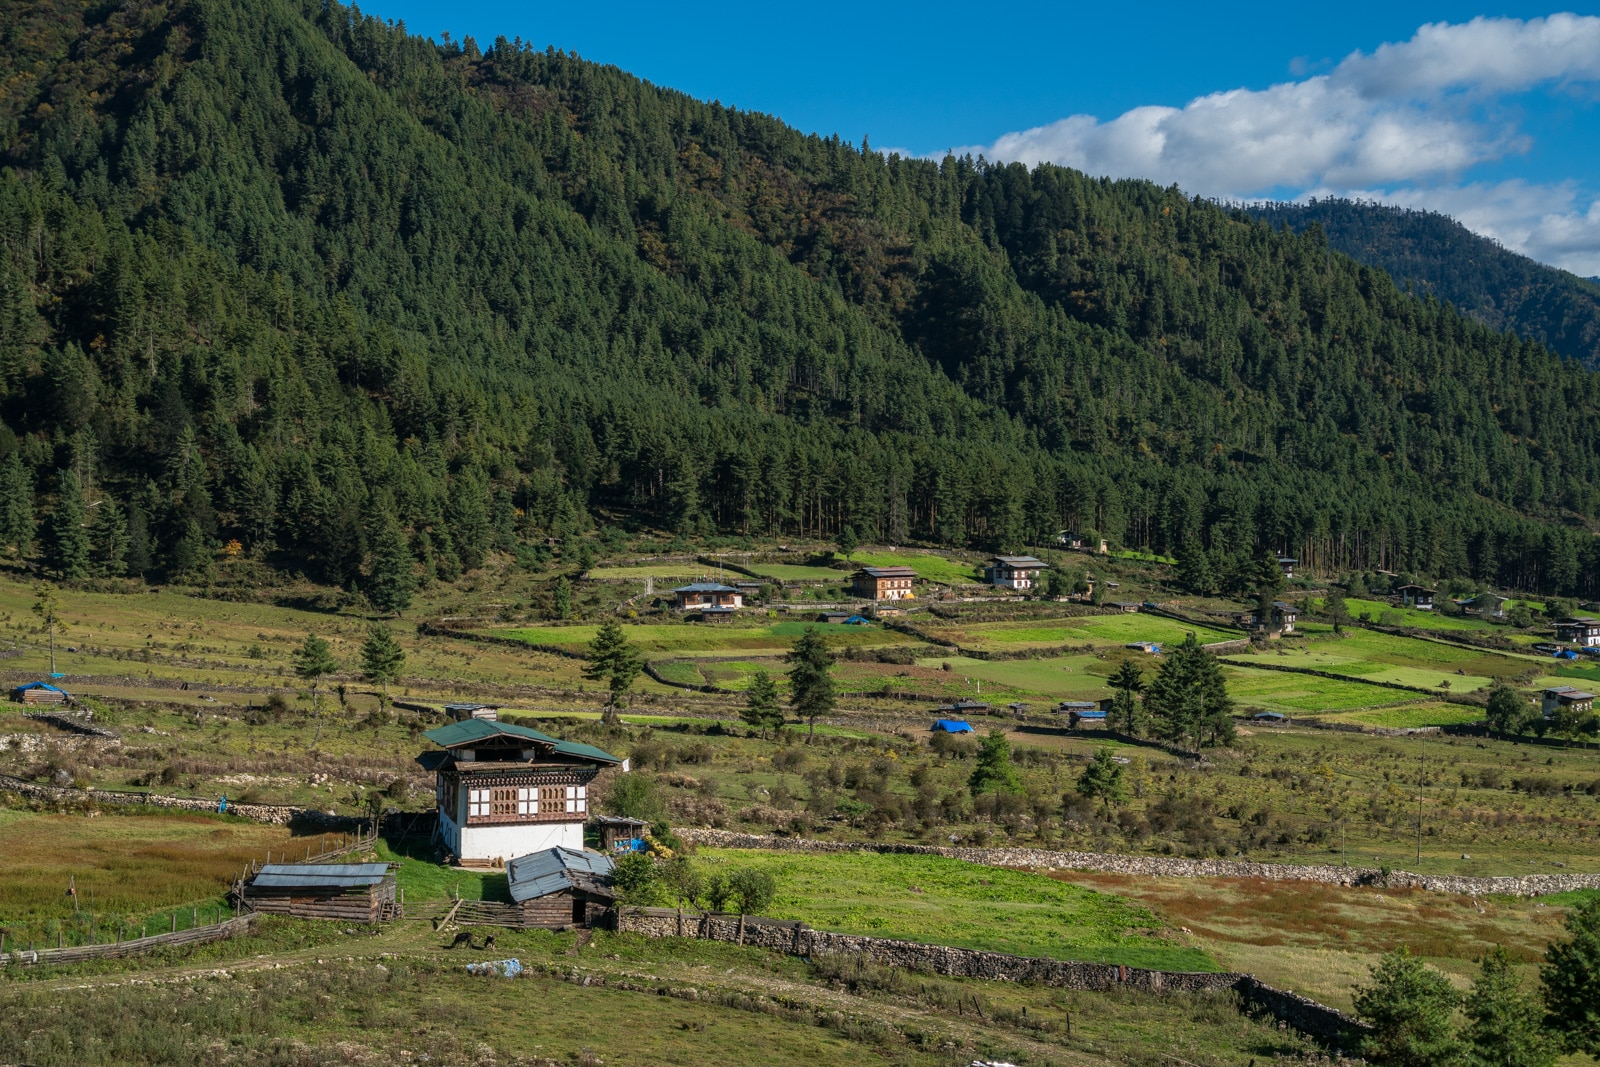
x=948 y=902
x=1116 y=629
x=1282 y=691
x=929 y=567
x=1370 y=655
x=1425 y=620
x=690 y=637
x=1062 y=677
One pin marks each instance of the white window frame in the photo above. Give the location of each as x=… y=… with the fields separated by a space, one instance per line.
x=478 y=803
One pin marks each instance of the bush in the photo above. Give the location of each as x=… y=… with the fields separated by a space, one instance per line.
x=635 y=796
x=636 y=880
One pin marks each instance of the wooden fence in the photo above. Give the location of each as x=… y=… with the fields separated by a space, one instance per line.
x=200 y=935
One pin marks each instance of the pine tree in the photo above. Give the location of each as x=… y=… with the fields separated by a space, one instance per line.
x=1189 y=698
x=68 y=547
x=1128 y=681
x=16 y=505
x=761 y=710
x=1410 y=1008
x=810 y=679
x=1334 y=607
x=382 y=658
x=1571 y=976
x=848 y=542
x=390 y=582
x=994 y=772
x=312 y=661
x=1194 y=570
x=561 y=597
x=110 y=538
x=1504 y=1023
x=1102 y=780
x=613 y=660
x=191 y=556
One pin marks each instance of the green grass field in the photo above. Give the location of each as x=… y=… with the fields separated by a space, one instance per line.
x=1116 y=629
x=1424 y=620
x=948 y=902
x=1291 y=693
x=929 y=568
x=672 y=571
x=689 y=637
x=1061 y=677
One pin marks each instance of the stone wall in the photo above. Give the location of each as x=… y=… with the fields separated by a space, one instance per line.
x=275 y=814
x=1531 y=885
x=798 y=939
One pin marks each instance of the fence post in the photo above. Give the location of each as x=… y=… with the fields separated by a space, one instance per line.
x=174 y=922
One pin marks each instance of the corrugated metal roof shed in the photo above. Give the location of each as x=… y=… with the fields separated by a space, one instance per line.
x=309 y=875
x=705 y=587
x=539 y=874
x=468 y=731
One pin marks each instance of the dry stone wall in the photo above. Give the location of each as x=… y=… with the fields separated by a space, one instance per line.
x=274 y=814
x=1531 y=885
x=795 y=938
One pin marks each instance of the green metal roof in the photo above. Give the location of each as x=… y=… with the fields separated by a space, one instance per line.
x=573 y=748
x=468 y=731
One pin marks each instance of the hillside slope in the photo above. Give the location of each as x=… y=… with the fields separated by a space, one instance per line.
x=283 y=275
x=1434 y=254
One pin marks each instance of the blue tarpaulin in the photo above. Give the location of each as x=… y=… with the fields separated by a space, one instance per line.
x=953 y=726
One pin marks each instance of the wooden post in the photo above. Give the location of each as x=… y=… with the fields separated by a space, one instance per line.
x=61 y=938
x=174 y=922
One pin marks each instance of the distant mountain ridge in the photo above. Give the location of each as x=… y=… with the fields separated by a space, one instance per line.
x=1433 y=253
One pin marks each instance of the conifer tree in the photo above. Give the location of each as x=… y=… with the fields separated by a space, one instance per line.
x=110 y=534
x=1102 y=780
x=761 y=710
x=1128 y=681
x=1571 y=977
x=1194 y=570
x=1334 y=607
x=16 y=506
x=382 y=658
x=811 y=692
x=390 y=583
x=1189 y=698
x=1504 y=1023
x=561 y=597
x=312 y=661
x=994 y=772
x=68 y=546
x=848 y=542
x=1409 y=1007
x=613 y=660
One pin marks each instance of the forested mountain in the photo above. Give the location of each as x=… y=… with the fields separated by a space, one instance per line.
x=1434 y=254
x=279 y=274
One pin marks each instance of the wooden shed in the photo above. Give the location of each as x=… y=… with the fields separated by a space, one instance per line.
x=561 y=887
x=39 y=693
x=349 y=892
x=621 y=834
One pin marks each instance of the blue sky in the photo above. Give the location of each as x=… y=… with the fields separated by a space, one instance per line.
x=1488 y=114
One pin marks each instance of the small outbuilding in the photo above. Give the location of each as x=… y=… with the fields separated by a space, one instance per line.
x=1269 y=718
x=952 y=726
x=1128 y=607
x=347 y=892
x=621 y=834
x=457 y=712
x=561 y=887
x=40 y=693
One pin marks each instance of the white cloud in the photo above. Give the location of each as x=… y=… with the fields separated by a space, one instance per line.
x=1411 y=117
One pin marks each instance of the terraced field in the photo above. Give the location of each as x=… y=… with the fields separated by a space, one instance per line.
x=686 y=638
x=928 y=567
x=1108 y=630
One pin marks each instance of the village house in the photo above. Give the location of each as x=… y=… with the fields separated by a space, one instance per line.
x=707 y=596
x=505 y=790
x=1014 y=572
x=1583 y=632
x=561 y=887
x=1415 y=596
x=1281 y=620
x=1562 y=697
x=1288 y=564
x=883 y=583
